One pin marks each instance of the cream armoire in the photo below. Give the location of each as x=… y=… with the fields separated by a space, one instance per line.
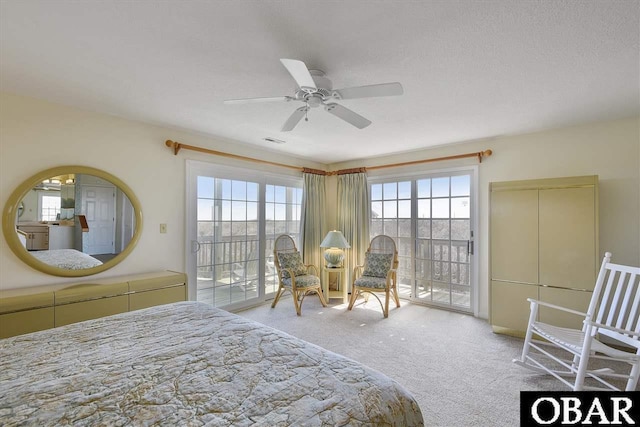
x=544 y=245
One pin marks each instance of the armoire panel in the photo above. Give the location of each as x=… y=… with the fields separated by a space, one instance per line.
x=509 y=305
x=567 y=237
x=514 y=235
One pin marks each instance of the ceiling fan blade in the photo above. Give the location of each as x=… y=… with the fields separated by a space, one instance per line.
x=256 y=100
x=293 y=120
x=347 y=115
x=300 y=74
x=383 y=89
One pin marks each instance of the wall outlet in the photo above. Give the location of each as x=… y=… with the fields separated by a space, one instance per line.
x=163 y=228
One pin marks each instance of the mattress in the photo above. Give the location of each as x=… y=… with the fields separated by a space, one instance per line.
x=188 y=363
x=69 y=259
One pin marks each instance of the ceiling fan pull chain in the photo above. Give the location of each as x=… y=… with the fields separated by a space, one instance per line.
x=306 y=111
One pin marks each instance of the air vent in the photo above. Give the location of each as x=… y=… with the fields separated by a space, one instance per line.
x=275 y=141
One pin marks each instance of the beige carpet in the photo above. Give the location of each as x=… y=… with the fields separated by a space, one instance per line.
x=459 y=371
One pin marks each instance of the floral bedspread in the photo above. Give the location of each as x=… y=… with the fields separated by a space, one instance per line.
x=189 y=364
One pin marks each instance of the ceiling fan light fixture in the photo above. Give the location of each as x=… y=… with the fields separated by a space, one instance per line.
x=315 y=89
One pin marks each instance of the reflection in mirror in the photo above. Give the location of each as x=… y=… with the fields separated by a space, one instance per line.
x=75 y=223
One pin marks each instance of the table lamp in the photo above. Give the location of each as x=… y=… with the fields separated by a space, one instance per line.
x=334 y=242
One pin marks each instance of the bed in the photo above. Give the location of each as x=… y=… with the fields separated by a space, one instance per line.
x=69 y=259
x=188 y=363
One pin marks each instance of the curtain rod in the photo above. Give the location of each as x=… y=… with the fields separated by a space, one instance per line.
x=177 y=146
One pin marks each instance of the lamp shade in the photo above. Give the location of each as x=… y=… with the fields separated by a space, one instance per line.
x=334 y=239
x=335 y=242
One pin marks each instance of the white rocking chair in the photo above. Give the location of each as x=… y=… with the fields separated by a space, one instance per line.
x=613 y=313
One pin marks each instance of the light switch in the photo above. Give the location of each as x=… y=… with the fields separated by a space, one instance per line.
x=163 y=228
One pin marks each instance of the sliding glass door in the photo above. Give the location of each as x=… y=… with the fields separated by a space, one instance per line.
x=432 y=219
x=233 y=219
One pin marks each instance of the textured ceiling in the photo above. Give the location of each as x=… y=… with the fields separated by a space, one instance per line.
x=470 y=69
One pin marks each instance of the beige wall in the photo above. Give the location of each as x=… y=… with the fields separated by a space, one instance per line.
x=35 y=135
x=608 y=149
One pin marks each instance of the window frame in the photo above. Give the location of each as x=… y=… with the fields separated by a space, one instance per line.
x=414 y=176
x=195 y=168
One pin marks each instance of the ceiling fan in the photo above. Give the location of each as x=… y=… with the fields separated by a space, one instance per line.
x=314 y=89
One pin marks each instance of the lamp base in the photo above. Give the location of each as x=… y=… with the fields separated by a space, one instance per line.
x=334 y=257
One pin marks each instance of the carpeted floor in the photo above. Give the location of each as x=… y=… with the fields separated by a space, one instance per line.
x=459 y=371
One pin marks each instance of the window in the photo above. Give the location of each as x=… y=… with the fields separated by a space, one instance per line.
x=236 y=219
x=49 y=205
x=391 y=215
x=282 y=216
x=430 y=218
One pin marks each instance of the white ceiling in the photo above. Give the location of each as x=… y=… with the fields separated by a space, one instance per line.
x=470 y=69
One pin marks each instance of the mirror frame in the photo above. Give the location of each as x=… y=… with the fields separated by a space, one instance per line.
x=10 y=216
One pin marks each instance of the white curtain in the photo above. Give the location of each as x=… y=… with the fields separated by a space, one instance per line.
x=313 y=224
x=353 y=218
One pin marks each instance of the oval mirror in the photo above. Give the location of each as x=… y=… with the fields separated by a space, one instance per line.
x=72 y=221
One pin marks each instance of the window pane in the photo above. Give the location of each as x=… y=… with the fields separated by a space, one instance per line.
x=440 y=250
x=269 y=211
x=280 y=212
x=460 y=229
x=239 y=229
x=280 y=227
x=390 y=191
x=404 y=190
x=404 y=228
x=403 y=247
x=252 y=228
x=252 y=211
x=239 y=190
x=205 y=210
x=461 y=185
x=440 y=187
x=423 y=268
x=424 y=187
x=440 y=229
x=391 y=228
x=205 y=187
x=440 y=208
x=224 y=231
x=269 y=193
x=424 y=229
x=205 y=229
x=225 y=185
x=423 y=249
x=424 y=208
x=376 y=209
x=376 y=227
x=459 y=251
x=460 y=207
x=281 y=194
x=226 y=211
x=390 y=209
x=404 y=209
x=252 y=191
x=376 y=192
x=239 y=211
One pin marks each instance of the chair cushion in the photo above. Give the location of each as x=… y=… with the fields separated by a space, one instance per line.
x=377 y=265
x=292 y=260
x=303 y=281
x=371 y=282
